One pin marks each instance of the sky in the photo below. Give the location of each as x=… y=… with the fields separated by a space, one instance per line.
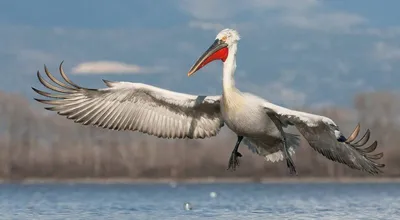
x=309 y=53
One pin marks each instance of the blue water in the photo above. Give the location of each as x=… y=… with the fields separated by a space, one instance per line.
x=232 y=201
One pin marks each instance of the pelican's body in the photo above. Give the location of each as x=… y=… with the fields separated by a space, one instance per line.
x=167 y=114
x=244 y=115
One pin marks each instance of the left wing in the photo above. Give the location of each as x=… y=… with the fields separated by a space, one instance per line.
x=324 y=136
x=135 y=107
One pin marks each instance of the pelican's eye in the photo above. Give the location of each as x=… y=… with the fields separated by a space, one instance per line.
x=224 y=38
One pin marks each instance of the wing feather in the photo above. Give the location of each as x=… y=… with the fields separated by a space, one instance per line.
x=319 y=131
x=133 y=106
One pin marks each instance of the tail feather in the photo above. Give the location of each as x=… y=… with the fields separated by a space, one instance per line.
x=273 y=153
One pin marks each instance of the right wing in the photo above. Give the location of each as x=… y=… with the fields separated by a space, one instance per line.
x=136 y=107
x=324 y=136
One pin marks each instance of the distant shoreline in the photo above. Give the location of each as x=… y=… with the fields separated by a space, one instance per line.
x=209 y=180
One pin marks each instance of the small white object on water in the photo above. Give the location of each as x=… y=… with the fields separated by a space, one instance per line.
x=173 y=184
x=188 y=206
x=213 y=194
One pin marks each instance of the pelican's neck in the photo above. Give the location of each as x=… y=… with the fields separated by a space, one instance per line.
x=229 y=70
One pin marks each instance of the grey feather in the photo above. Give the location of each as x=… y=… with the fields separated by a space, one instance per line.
x=322 y=139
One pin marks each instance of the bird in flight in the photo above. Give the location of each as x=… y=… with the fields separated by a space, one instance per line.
x=168 y=114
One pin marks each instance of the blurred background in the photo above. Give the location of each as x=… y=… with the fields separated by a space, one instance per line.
x=337 y=58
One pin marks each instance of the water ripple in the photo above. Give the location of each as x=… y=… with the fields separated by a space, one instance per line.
x=234 y=201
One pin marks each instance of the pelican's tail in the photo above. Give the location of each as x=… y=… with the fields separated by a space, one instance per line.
x=272 y=151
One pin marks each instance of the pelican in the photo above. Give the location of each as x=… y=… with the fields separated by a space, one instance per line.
x=167 y=114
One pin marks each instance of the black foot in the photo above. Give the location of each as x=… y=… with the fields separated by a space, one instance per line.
x=291 y=167
x=234 y=160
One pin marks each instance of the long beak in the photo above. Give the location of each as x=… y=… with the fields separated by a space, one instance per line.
x=218 y=50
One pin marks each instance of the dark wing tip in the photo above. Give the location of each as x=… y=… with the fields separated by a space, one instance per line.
x=360 y=143
x=368 y=163
x=354 y=134
x=375 y=156
x=66 y=89
x=368 y=149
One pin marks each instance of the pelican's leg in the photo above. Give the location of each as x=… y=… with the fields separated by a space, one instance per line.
x=289 y=160
x=234 y=159
x=278 y=124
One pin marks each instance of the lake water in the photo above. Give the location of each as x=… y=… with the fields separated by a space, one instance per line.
x=232 y=201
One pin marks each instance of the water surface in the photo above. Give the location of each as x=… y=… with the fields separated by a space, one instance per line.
x=233 y=201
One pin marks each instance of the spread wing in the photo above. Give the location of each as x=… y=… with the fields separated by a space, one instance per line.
x=135 y=107
x=324 y=136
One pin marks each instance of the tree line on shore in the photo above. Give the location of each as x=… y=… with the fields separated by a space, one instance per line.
x=35 y=143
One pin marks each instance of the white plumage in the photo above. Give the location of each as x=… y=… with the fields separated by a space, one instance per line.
x=136 y=106
x=167 y=114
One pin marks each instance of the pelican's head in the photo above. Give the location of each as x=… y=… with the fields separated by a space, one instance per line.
x=218 y=50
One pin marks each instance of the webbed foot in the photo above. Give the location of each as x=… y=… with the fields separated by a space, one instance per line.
x=234 y=160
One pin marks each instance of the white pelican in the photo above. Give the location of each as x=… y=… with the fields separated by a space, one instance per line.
x=167 y=114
